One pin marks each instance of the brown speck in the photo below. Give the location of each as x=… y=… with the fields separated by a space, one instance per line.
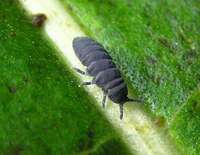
x=129 y=3
x=189 y=56
x=195 y=106
x=26 y=79
x=160 y=121
x=151 y=60
x=110 y=2
x=90 y=134
x=16 y=150
x=69 y=7
x=38 y=19
x=12 y=89
x=12 y=33
x=164 y=42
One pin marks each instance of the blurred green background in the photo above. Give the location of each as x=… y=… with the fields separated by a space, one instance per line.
x=154 y=43
x=42 y=109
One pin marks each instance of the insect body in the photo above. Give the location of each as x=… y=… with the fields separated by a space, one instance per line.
x=100 y=65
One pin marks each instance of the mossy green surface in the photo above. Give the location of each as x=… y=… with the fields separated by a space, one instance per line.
x=42 y=109
x=185 y=127
x=156 y=46
x=154 y=43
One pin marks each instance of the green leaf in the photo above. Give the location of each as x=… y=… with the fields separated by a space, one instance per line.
x=185 y=126
x=156 y=45
x=42 y=109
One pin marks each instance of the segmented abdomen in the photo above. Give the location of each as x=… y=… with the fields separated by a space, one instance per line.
x=99 y=64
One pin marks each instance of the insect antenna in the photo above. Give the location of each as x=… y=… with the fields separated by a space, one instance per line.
x=121 y=110
x=135 y=100
x=104 y=99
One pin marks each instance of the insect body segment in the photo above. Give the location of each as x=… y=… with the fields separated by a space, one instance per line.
x=100 y=65
x=112 y=84
x=97 y=66
x=91 y=57
x=83 y=46
x=104 y=77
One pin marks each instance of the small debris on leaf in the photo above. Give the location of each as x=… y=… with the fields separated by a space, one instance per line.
x=12 y=89
x=38 y=19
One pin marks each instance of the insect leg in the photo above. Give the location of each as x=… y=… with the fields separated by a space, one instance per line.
x=121 y=110
x=104 y=99
x=86 y=83
x=79 y=71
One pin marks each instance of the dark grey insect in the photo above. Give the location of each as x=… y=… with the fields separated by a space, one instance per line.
x=100 y=65
x=38 y=19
